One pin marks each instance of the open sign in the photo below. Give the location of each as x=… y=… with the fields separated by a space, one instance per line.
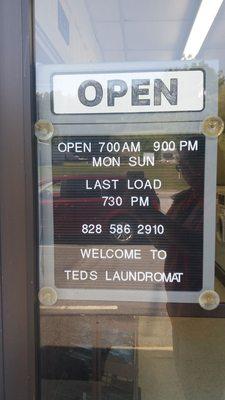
x=128 y=146
x=133 y=92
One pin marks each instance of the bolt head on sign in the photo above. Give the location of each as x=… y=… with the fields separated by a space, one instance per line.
x=43 y=130
x=209 y=300
x=212 y=126
x=47 y=296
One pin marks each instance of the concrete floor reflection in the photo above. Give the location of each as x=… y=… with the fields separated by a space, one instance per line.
x=169 y=358
x=182 y=358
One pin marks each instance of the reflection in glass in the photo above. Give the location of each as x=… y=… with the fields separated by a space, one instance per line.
x=113 y=357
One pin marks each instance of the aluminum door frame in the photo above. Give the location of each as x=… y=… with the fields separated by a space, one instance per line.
x=18 y=257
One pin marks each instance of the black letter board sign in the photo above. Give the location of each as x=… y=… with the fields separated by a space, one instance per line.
x=127 y=181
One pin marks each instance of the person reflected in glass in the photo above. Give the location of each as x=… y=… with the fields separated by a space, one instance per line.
x=183 y=236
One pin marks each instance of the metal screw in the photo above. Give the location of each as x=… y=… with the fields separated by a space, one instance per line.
x=212 y=126
x=43 y=130
x=47 y=296
x=209 y=300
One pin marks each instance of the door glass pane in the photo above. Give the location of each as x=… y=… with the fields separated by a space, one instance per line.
x=131 y=160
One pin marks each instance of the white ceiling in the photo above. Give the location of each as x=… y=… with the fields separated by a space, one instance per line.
x=124 y=30
x=150 y=30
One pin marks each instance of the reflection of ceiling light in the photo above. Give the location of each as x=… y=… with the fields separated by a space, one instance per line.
x=201 y=26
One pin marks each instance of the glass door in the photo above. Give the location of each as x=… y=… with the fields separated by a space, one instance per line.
x=130 y=143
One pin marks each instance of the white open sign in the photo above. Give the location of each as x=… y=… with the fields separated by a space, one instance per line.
x=130 y=92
